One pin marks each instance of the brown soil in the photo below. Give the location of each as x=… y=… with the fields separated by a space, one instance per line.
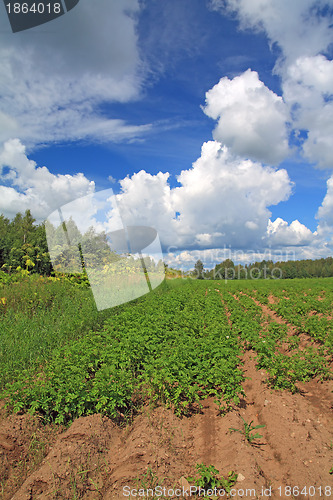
x=320 y=315
x=23 y=444
x=95 y=459
x=273 y=300
x=269 y=314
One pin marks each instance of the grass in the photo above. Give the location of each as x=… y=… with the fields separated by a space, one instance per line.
x=38 y=315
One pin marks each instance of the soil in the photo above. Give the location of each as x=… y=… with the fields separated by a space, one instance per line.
x=96 y=459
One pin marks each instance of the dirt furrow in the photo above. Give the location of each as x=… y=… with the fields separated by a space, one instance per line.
x=305 y=340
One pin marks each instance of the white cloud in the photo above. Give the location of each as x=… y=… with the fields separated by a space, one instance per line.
x=251 y=118
x=185 y=260
x=302 y=29
x=225 y=194
x=37 y=188
x=54 y=77
x=313 y=73
x=146 y=200
x=182 y=260
x=325 y=215
x=280 y=233
x=222 y=200
x=298 y=27
x=308 y=89
x=222 y=203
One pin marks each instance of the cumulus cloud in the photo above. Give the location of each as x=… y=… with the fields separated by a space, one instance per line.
x=221 y=200
x=325 y=215
x=221 y=210
x=35 y=188
x=222 y=203
x=251 y=118
x=302 y=30
x=313 y=73
x=280 y=233
x=54 y=77
x=308 y=89
x=145 y=199
x=182 y=260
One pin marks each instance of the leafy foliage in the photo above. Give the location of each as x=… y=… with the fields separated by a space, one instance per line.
x=209 y=478
x=169 y=348
x=175 y=346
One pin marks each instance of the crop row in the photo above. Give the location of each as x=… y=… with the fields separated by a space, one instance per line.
x=309 y=309
x=277 y=351
x=174 y=347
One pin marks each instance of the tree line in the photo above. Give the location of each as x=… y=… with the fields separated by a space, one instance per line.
x=266 y=269
x=24 y=246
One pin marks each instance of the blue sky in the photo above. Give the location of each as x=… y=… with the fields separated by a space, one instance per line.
x=211 y=120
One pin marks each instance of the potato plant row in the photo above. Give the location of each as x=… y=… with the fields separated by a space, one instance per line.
x=176 y=346
x=309 y=308
x=278 y=351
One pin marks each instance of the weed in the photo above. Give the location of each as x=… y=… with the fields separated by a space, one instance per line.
x=209 y=478
x=150 y=480
x=95 y=486
x=247 y=431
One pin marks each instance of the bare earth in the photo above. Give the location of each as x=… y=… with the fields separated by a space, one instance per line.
x=95 y=459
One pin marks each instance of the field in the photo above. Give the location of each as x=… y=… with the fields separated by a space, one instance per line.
x=234 y=376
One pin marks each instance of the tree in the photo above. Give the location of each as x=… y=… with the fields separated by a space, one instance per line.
x=199 y=270
x=5 y=245
x=225 y=270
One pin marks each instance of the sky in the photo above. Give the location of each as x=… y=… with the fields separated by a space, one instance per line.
x=211 y=121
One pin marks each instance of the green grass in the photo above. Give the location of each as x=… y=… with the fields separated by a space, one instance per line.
x=38 y=315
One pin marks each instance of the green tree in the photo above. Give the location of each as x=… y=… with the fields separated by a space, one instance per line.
x=225 y=270
x=199 y=270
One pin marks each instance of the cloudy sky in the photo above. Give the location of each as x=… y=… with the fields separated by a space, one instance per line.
x=211 y=120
